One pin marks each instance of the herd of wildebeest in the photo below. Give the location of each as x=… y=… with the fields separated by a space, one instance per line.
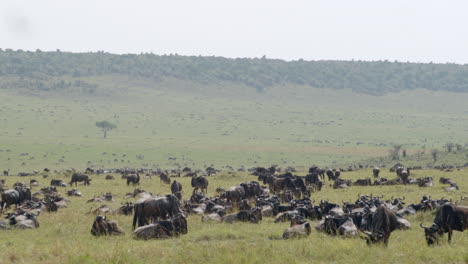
x=275 y=193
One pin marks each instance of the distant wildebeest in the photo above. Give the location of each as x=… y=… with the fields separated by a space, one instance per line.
x=109 y=177
x=14 y=196
x=176 y=189
x=376 y=172
x=5 y=172
x=200 y=183
x=33 y=182
x=363 y=182
x=330 y=175
x=384 y=222
x=133 y=179
x=449 y=217
x=163 y=229
x=153 y=208
x=299 y=228
x=59 y=183
x=80 y=177
x=26 y=220
x=164 y=177
x=254 y=216
x=104 y=227
x=234 y=195
x=337 y=174
x=125 y=209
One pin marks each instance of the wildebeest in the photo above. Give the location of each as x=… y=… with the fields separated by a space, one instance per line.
x=109 y=177
x=14 y=196
x=125 y=209
x=55 y=182
x=383 y=223
x=154 y=208
x=104 y=227
x=80 y=177
x=133 y=179
x=201 y=183
x=254 y=216
x=74 y=192
x=176 y=189
x=449 y=217
x=297 y=231
x=163 y=229
x=363 y=182
x=21 y=221
x=5 y=172
x=376 y=172
x=163 y=177
x=235 y=194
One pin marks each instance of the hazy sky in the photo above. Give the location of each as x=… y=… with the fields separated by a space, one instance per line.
x=404 y=30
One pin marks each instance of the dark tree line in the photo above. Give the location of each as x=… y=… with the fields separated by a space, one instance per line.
x=36 y=69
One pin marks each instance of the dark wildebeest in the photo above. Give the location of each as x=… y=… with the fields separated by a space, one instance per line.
x=154 y=208
x=79 y=177
x=5 y=172
x=201 y=183
x=176 y=189
x=103 y=227
x=235 y=194
x=337 y=174
x=133 y=179
x=252 y=189
x=449 y=217
x=384 y=222
x=163 y=177
x=363 y=182
x=163 y=229
x=376 y=172
x=14 y=196
x=55 y=182
x=330 y=174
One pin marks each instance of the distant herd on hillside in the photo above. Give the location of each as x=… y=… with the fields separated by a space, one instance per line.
x=276 y=193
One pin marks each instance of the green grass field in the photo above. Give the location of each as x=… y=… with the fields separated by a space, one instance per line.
x=64 y=236
x=222 y=125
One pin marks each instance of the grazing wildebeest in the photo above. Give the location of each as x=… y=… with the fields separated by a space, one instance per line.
x=176 y=189
x=201 y=183
x=14 y=196
x=376 y=172
x=383 y=223
x=449 y=217
x=5 y=172
x=104 y=227
x=163 y=229
x=79 y=177
x=133 y=179
x=154 y=208
x=164 y=177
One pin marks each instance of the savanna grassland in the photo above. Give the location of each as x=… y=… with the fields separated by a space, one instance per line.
x=199 y=130
x=177 y=111
x=64 y=236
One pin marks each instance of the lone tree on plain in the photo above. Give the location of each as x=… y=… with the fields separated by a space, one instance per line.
x=105 y=126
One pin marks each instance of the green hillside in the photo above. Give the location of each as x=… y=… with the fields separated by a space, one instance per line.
x=58 y=71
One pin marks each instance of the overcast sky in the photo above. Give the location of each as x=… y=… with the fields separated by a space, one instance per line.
x=404 y=30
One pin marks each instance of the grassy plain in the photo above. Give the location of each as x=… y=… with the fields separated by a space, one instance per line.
x=222 y=125
x=64 y=236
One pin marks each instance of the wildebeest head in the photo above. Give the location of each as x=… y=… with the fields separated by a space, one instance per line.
x=432 y=233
